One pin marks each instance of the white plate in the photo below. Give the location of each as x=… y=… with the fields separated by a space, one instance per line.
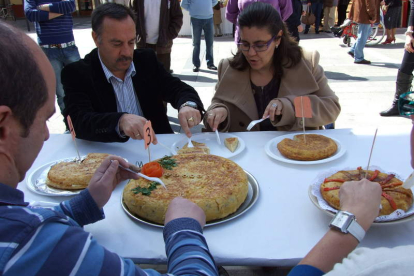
x=36 y=182
x=272 y=151
x=210 y=139
x=331 y=214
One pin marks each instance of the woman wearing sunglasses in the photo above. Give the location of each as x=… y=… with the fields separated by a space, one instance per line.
x=264 y=77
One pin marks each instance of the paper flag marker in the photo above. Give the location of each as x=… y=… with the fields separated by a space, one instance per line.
x=303 y=107
x=148 y=137
x=71 y=129
x=148 y=134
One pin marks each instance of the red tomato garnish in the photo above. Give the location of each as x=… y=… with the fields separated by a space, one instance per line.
x=152 y=169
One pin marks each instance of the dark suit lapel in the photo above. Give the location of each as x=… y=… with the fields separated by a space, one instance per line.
x=106 y=93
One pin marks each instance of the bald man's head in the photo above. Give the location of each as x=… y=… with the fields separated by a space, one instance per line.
x=22 y=68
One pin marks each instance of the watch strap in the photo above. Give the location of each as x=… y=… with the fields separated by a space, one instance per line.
x=356 y=230
x=190 y=104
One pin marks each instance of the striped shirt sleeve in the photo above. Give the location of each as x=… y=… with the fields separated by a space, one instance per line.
x=32 y=13
x=56 y=248
x=81 y=209
x=63 y=7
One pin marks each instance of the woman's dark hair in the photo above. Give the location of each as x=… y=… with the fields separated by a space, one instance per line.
x=265 y=16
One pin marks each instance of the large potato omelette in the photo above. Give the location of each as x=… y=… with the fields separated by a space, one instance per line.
x=74 y=175
x=216 y=184
x=317 y=147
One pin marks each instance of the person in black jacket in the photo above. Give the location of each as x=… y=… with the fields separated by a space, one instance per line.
x=293 y=22
x=405 y=72
x=114 y=90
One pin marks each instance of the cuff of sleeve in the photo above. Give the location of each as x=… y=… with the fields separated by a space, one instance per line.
x=43 y=15
x=84 y=209
x=120 y=133
x=181 y=224
x=305 y=270
x=54 y=8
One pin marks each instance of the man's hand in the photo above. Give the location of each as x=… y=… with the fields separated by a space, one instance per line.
x=107 y=177
x=133 y=126
x=216 y=116
x=189 y=117
x=183 y=208
x=361 y=198
x=273 y=109
x=300 y=28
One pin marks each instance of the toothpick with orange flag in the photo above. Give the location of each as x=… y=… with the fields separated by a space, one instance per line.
x=303 y=109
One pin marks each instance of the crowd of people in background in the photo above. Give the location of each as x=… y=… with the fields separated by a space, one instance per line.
x=125 y=81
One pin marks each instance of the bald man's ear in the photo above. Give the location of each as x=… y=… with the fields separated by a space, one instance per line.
x=7 y=122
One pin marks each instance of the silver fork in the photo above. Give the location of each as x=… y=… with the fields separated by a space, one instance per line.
x=218 y=138
x=254 y=122
x=190 y=144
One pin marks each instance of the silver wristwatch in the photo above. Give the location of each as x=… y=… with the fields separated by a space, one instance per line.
x=345 y=222
x=190 y=104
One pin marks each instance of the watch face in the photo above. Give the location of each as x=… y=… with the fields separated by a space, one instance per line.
x=191 y=104
x=342 y=220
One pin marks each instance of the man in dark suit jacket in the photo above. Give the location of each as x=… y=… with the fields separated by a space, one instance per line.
x=101 y=88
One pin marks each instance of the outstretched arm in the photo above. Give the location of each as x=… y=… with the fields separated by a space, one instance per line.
x=361 y=198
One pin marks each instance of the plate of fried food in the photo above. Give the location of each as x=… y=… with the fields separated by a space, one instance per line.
x=231 y=145
x=396 y=201
x=65 y=177
x=218 y=185
x=304 y=149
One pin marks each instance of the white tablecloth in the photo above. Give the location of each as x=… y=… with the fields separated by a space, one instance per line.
x=282 y=226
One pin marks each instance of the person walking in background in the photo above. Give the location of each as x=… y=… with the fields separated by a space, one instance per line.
x=217 y=19
x=364 y=13
x=316 y=7
x=54 y=29
x=158 y=23
x=201 y=13
x=235 y=7
x=405 y=73
x=342 y=7
x=329 y=10
x=392 y=18
x=293 y=23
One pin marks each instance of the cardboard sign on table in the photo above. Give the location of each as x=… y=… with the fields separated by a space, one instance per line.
x=148 y=137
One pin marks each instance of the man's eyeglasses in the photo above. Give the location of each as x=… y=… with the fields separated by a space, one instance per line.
x=406 y=104
x=244 y=46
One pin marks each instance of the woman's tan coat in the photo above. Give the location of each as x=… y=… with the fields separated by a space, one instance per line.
x=234 y=92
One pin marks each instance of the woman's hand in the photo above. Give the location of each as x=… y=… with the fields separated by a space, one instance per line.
x=409 y=40
x=216 y=116
x=273 y=109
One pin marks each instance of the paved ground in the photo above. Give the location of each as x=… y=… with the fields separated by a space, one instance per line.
x=363 y=90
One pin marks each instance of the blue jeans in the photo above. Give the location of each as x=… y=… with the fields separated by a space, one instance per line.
x=358 y=48
x=317 y=11
x=206 y=25
x=59 y=58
